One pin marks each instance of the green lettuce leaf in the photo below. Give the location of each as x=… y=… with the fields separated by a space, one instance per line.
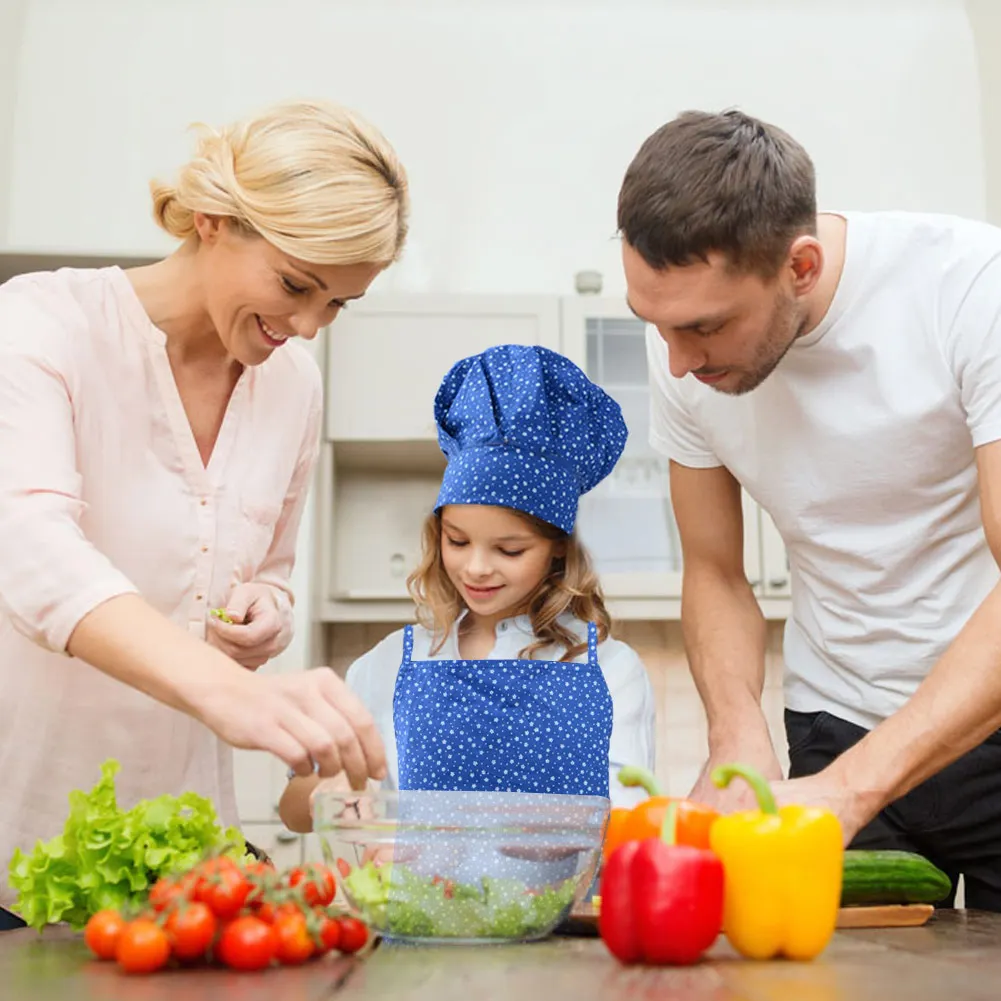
x=109 y=857
x=399 y=902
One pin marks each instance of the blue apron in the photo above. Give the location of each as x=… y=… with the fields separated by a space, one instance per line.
x=503 y=725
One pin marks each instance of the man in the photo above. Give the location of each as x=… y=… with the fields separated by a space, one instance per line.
x=846 y=370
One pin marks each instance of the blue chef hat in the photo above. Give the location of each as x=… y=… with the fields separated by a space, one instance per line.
x=524 y=427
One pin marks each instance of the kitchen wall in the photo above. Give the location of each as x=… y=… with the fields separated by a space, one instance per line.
x=985 y=21
x=12 y=15
x=515 y=118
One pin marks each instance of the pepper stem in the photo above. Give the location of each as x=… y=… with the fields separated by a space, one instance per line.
x=759 y=784
x=631 y=775
x=669 y=829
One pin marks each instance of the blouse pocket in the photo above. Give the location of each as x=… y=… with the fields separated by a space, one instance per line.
x=257 y=532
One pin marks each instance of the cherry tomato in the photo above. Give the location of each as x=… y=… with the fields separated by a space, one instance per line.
x=190 y=930
x=102 y=933
x=167 y=892
x=247 y=944
x=225 y=892
x=142 y=947
x=318 y=884
x=270 y=913
x=330 y=931
x=200 y=877
x=344 y=867
x=260 y=868
x=354 y=934
x=294 y=944
x=448 y=891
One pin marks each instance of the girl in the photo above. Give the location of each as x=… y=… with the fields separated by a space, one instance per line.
x=510 y=680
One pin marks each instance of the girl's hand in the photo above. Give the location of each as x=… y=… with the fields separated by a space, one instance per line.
x=259 y=630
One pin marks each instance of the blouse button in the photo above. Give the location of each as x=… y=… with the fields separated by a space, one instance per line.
x=205 y=549
x=199 y=597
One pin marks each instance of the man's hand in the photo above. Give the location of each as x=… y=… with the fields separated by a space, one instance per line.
x=755 y=750
x=827 y=789
x=259 y=630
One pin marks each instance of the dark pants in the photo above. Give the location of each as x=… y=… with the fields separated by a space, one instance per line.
x=953 y=819
x=9 y=922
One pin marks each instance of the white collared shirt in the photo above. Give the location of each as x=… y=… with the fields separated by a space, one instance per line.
x=373 y=679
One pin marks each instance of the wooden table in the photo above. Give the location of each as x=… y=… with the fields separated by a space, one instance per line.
x=931 y=963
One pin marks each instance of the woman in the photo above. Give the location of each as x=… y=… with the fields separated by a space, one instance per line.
x=157 y=437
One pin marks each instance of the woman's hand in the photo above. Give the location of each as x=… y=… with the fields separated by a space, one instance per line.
x=301 y=717
x=260 y=629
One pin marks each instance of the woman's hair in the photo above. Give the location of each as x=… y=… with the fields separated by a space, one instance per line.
x=315 y=180
x=570 y=585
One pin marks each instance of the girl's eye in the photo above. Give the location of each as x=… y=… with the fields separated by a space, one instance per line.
x=292 y=288
x=456 y=543
x=508 y=552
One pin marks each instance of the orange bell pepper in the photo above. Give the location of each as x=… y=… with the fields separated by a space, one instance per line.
x=614 y=833
x=646 y=819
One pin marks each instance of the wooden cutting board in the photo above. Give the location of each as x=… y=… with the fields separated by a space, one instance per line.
x=885 y=916
x=583 y=918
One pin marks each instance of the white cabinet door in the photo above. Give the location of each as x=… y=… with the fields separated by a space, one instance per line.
x=752 y=542
x=386 y=355
x=260 y=778
x=775 y=570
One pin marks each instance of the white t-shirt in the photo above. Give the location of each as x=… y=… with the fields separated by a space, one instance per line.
x=860 y=445
x=373 y=679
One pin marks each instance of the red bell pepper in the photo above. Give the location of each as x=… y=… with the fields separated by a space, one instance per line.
x=661 y=902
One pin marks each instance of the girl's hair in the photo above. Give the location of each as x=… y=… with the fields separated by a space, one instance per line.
x=314 y=179
x=570 y=585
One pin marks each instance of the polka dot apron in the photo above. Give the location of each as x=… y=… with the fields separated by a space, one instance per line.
x=503 y=725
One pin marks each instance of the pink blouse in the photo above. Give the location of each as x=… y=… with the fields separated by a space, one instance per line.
x=103 y=492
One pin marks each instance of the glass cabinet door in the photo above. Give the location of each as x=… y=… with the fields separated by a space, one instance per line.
x=627 y=521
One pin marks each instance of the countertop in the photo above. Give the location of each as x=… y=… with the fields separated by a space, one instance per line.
x=919 y=964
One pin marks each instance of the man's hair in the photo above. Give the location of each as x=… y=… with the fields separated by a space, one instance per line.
x=725 y=183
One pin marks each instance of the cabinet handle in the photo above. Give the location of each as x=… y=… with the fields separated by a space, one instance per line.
x=778 y=581
x=286 y=837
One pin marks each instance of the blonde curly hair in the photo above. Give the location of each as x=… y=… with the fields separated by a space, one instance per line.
x=314 y=179
x=570 y=585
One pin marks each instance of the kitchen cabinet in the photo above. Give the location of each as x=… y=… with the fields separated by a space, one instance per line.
x=627 y=522
x=387 y=354
x=381 y=467
x=775 y=574
x=19 y=261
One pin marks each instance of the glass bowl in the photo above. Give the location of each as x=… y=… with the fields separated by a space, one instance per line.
x=461 y=867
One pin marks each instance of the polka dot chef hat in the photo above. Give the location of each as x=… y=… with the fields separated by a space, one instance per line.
x=523 y=427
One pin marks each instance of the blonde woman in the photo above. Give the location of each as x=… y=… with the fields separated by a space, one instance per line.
x=510 y=682
x=158 y=429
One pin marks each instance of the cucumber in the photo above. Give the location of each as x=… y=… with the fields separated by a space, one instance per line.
x=890 y=877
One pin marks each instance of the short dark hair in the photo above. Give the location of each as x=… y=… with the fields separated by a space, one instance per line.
x=725 y=183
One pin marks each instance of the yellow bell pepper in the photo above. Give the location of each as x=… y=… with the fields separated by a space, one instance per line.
x=782 y=870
